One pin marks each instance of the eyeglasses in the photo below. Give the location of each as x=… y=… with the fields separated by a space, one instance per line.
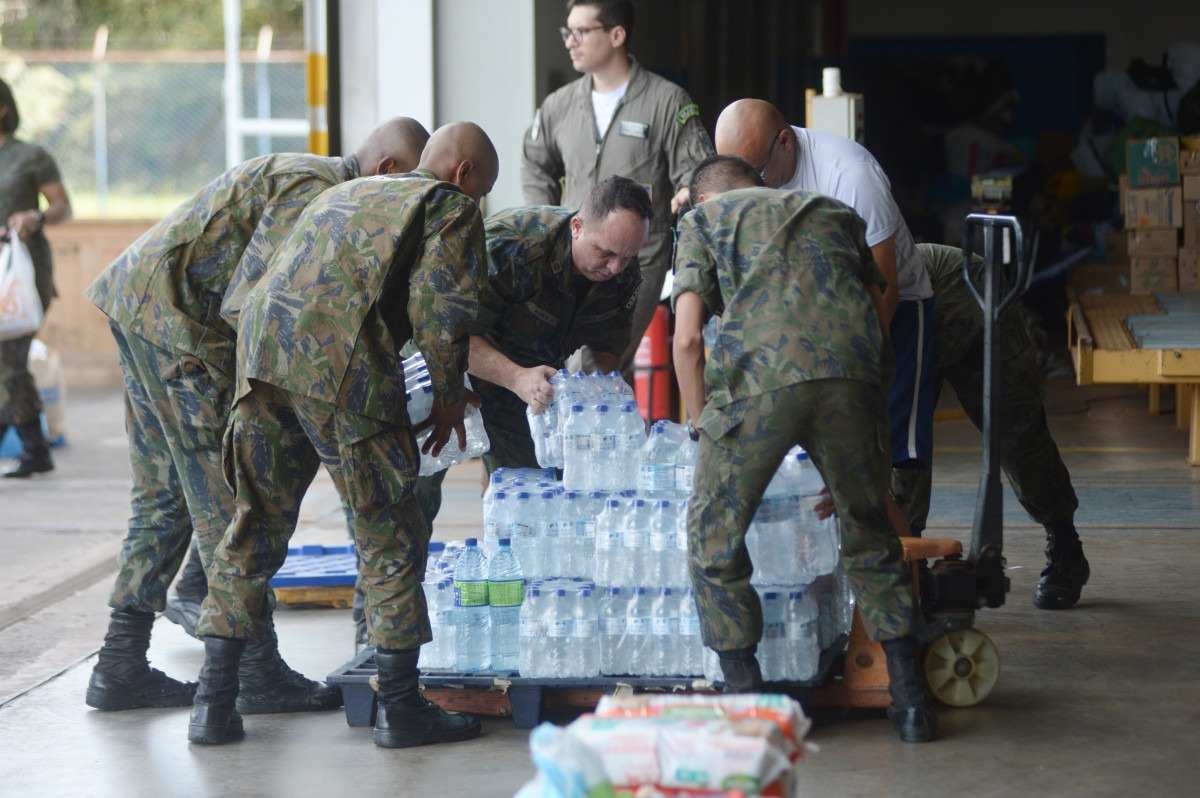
x=762 y=173
x=576 y=34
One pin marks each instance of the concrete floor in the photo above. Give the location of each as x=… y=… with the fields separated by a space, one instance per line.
x=1102 y=700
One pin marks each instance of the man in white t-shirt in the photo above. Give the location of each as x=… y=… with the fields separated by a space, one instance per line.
x=792 y=157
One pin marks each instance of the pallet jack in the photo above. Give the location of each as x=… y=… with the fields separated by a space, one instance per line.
x=961 y=663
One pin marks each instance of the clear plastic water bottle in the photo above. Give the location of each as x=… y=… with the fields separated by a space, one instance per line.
x=679 y=564
x=662 y=556
x=547 y=535
x=577 y=448
x=560 y=623
x=691 y=648
x=614 y=652
x=664 y=635
x=819 y=540
x=436 y=548
x=531 y=656
x=604 y=462
x=473 y=649
x=547 y=443
x=802 y=652
x=637 y=631
x=506 y=593
x=609 y=528
x=585 y=651
x=577 y=536
x=519 y=521
x=656 y=463
x=496 y=519
x=446 y=647
x=634 y=545
x=685 y=465
x=631 y=435
x=420 y=403
x=771 y=652
x=427 y=656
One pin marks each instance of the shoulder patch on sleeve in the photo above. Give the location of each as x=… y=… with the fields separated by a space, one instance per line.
x=686 y=113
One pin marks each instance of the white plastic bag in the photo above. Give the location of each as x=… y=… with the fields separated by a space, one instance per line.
x=20 y=305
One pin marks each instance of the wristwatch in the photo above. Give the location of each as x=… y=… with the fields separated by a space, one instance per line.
x=692 y=432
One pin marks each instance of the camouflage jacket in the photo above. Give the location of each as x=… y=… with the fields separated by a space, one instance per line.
x=538 y=309
x=367 y=266
x=787 y=273
x=169 y=286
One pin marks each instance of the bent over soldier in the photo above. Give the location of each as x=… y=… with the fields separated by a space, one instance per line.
x=367 y=266
x=172 y=300
x=798 y=359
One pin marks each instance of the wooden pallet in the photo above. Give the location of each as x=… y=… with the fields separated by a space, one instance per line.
x=340 y=597
x=1103 y=351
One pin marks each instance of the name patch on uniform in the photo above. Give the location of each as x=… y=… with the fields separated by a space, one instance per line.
x=687 y=112
x=637 y=130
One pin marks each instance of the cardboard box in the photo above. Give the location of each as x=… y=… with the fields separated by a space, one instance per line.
x=1153 y=207
x=1191 y=224
x=1189 y=162
x=1189 y=270
x=1191 y=187
x=1154 y=275
x=1152 y=162
x=1145 y=243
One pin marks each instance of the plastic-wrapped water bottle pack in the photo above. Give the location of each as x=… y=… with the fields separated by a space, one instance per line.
x=420 y=404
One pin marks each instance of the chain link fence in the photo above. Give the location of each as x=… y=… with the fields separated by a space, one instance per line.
x=137 y=132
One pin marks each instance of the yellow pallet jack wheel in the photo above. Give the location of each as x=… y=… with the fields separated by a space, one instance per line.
x=961 y=667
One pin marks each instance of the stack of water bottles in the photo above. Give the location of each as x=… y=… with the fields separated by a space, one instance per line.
x=420 y=404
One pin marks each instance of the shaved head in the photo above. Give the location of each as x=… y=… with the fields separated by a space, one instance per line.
x=461 y=153
x=748 y=129
x=394 y=146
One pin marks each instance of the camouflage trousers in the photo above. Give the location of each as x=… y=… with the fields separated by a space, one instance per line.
x=1028 y=453
x=274 y=444
x=842 y=424
x=19 y=399
x=175 y=411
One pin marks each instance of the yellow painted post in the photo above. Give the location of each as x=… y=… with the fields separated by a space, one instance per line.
x=1194 y=432
x=317 y=76
x=1155 y=398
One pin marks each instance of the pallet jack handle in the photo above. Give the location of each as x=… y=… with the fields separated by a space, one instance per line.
x=1005 y=274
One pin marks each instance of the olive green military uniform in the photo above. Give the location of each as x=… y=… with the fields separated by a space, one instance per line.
x=164 y=297
x=798 y=359
x=24 y=167
x=368 y=265
x=656 y=138
x=1028 y=453
x=539 y=311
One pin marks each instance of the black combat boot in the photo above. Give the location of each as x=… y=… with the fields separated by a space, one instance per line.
x=1066 y=570
x=123 y=679
x=405 y=718
x=740 y=667
x=268 y=685
x=183 y=604
x=214 y=719
x=36 y=457
x=911 y=711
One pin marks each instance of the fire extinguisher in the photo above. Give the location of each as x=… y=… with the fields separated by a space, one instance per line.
x=652 y=368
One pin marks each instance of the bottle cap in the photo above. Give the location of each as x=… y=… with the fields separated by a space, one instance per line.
x=560 y=593
x=666 y=591
x=472 y=543
x=437 y=545
x=771 y=595
x=576 y=408
x=505 y=542
x=614 y=591
x=601 y=408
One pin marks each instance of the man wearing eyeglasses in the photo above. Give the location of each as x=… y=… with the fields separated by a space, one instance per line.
x=618 y=119
x=798 y=159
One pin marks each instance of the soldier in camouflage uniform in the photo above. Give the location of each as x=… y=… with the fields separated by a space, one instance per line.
x=799 y=359
x=1028 y=453
x=172 y=300
x=368 y=265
